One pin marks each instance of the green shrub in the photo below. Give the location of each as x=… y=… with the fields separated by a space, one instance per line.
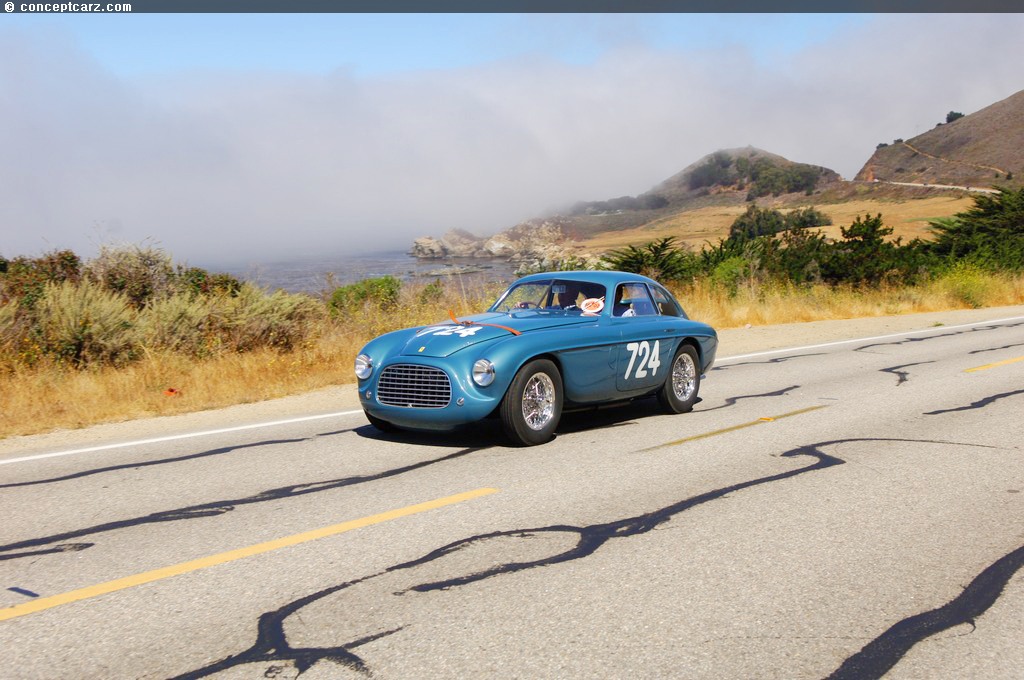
x=989 y=234
x=255 y=319
x=23 y=278
x=803 y=218
x=84 y=325
x=730 y=272
x=12 y=335
x=661 y=259
x=140 y=273
x=967 y=283
x=715 y=170
x=381 y=292
x=196 y=281
x=181 y=323
x=863 y=255
x=757 y=222
x=431 y=293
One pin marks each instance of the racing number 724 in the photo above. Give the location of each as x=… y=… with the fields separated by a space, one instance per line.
x=648 y=358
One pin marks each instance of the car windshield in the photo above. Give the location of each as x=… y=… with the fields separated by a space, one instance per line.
x=552 y=295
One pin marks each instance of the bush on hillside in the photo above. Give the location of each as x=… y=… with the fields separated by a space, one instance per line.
x=756 y=222
x=139 y=273
x=381 y=292
x=715 y=170
x=185 y=324
x=198 y=282
x=863 y=256
x=661 y=260
x=131 y=300
x=82 y=324
x=804 y=218
x=254 y=318
x=23 y=279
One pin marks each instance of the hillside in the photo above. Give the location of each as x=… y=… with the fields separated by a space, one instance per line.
x=978 y=150
x=698 y=204
x=724 y=180
x=729 y=177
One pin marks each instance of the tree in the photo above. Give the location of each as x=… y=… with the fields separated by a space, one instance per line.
x=661 y=259
x=991 y=233
x=803 y=218
x=798 y=256
x=757 y=222
x=953 y=115
x=863 y=256
x=652 y=201
x=715 y=170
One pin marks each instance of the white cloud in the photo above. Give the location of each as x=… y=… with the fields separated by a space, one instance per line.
x=225 y=166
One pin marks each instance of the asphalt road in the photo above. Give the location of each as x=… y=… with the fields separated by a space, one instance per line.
x=850 y=510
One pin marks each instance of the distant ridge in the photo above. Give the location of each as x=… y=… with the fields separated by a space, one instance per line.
x=982 y=149
x=967 y=154
x=725 y=177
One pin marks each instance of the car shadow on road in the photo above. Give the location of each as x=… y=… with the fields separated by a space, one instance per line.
x=487 y=433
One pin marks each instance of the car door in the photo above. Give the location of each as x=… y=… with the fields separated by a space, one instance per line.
x=646 y=344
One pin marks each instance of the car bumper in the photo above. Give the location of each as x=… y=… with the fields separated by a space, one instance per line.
x=467 y=403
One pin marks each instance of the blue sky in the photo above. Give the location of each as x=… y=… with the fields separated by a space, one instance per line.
x=241 y=138
x=380 y=44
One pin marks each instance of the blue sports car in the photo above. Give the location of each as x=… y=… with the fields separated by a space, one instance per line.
x=551 y=342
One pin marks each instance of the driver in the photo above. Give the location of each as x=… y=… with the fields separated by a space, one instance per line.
x=568 y=297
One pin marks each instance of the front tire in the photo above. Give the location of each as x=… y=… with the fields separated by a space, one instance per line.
x=532 y=405
x=679 y=393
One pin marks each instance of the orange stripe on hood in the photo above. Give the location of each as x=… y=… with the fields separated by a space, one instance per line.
x=451 y=315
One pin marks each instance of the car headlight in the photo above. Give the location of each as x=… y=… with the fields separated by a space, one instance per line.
x=483 y=372
x=364 y=366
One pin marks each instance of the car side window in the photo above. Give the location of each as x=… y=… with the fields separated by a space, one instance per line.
x=666 y=304
x=632 y=299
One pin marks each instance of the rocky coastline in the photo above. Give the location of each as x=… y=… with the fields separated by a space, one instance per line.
x=536 y=245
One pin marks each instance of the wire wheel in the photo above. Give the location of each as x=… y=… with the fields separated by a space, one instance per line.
x=679 y=392
x=684 y=377
x=539 y=401
x=532 y=406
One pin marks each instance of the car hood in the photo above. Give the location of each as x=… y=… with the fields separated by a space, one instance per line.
x=445 y=338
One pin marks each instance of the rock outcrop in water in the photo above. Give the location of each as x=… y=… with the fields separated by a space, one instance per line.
x=538 y=244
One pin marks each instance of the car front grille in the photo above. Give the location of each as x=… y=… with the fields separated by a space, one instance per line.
x=414 y=386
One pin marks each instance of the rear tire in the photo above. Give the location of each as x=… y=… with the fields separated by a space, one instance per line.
x=679 y=393
x=532 y=405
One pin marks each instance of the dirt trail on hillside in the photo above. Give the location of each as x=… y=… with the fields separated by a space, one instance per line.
x=950 y=160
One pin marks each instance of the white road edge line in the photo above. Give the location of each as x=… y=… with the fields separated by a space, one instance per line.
x=274 y=423
x=934 y=329
x=169 y=438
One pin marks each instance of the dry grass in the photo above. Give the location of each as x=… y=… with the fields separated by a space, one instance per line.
x=760 y=305
x=50 y=397
x=909 y=219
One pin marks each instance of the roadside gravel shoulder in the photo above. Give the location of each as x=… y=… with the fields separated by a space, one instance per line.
x=343 y=398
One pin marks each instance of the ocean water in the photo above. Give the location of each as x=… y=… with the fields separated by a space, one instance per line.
x=315 y=275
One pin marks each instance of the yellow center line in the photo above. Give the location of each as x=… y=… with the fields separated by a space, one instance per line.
x=231 y=555
x=759 y=421
x=998 y=363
